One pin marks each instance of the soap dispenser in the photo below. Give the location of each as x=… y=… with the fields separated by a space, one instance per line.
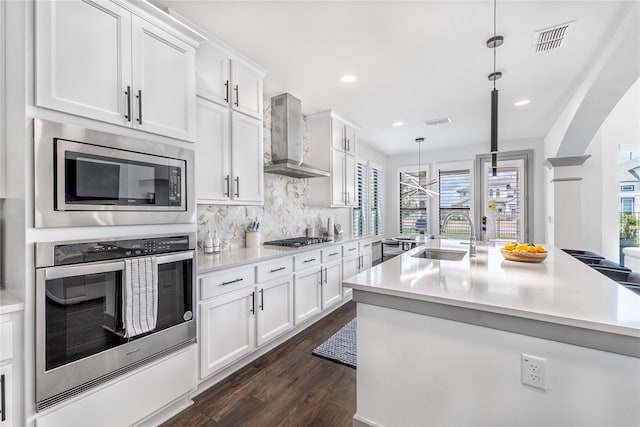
x=208 y=243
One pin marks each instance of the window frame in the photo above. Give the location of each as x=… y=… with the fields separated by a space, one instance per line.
x=428 y=205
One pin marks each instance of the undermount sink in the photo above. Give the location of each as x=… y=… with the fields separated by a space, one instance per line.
x=442 y=254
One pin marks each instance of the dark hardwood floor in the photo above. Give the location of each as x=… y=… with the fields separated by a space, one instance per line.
x=286 y=387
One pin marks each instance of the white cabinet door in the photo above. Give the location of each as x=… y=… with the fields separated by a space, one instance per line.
x=307 y=299
x=213 y=162
x=248 y=166
x=338 y=138
x=350 y=181
x=227 y=329
x=337 y=178
x=366 y=261
x=351 y=139
x=83 y=59
x=246 y=93
x=331 y=284
x=275 y=308
x=350 y=266
x=212 y=74
x=164 y=82
x=6 y=377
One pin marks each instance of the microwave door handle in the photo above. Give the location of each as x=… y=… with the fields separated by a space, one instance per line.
x=82 y=270
x=165 y=259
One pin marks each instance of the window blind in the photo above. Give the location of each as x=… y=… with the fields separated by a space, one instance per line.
x=359 y=212
x=455 y=196
x=376 y=206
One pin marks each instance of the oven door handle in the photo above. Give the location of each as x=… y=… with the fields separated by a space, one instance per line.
x=165 y=259
x=61 y=272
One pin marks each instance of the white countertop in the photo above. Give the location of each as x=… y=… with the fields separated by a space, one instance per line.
x=559 y=290
x=9 y=303
x=236 y=257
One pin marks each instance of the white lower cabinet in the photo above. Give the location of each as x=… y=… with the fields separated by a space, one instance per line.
x=237 y=315
x=275 y=309
x=307 y=294
x=331 y=284
x=358 y=257
x=227 y=329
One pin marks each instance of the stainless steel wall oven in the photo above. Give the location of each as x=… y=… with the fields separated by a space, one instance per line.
x=86 y=177
x=83 y=305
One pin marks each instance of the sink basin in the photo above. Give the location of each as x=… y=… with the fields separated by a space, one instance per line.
x=442 y=254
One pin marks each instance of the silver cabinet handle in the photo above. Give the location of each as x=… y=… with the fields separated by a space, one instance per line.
x=277 y=269
x=226 y=91
x=237 y=186
x=334 y=254
x=352 y=249
x=261 y=299
x=253 y=303
x=227 y=181
x=309 y=260
x=237 y=95
x=326 y=273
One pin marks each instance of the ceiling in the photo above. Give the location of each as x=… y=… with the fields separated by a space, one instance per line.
x=415 y=61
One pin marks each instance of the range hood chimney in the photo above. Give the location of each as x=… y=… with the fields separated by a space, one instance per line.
x=286 y=140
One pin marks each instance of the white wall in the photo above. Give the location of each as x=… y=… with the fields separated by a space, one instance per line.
x=468 y=153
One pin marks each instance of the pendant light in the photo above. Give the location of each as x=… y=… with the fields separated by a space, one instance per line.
x=416 y=185
x=493 y=43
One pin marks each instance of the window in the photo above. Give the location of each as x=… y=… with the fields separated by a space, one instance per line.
x=367 y=216
x=626 y=205
x=413 y=202
x=454 y=189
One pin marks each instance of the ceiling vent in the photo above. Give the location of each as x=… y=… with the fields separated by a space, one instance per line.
x=435 y=122
x=552 y=38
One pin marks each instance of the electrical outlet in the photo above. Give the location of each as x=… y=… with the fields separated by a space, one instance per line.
x=533 y=371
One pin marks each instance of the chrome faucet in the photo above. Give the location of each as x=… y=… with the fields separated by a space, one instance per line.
x=472 y=235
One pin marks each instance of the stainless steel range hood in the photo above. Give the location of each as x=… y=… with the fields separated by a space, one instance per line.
x=286 y=140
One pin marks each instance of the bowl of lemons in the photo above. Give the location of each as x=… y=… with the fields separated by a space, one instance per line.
x=524 y=252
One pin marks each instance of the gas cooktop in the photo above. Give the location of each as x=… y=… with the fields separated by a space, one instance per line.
x=297 y=242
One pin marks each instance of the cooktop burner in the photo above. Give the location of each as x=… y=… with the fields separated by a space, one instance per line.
x=297 y=242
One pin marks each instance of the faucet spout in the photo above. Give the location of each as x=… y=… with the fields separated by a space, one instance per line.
x=472 y=234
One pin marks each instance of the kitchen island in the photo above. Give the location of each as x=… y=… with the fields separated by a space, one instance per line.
x=442 y=342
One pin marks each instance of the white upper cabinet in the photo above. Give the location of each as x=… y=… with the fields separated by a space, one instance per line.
x=225 y=78
x=246 y=154
x=230 y=133
x=83 y=58
x=213 y=145
x=164 y=80
x=213 y=73
x=333 y=147
x=247 y=89
x=98 y=60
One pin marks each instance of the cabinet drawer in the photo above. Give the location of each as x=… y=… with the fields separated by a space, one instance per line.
x=6 y=345
x=306 y=260
x=331 y=254
x=271 y=270
x=365 y=246
x=226 y=281
x=350 y=249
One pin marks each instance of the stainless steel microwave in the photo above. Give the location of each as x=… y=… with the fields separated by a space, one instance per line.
x=85 y=177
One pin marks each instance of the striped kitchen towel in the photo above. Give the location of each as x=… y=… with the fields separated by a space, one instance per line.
x=140 y=296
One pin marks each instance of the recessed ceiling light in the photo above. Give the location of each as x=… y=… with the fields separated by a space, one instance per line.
x=521 y=102
x=398 y=124
x=348 y=78
x=440 y=121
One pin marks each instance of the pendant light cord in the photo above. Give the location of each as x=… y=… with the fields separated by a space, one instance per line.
x=494 y=44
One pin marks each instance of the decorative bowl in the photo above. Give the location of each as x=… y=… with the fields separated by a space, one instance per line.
x=523 y=256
